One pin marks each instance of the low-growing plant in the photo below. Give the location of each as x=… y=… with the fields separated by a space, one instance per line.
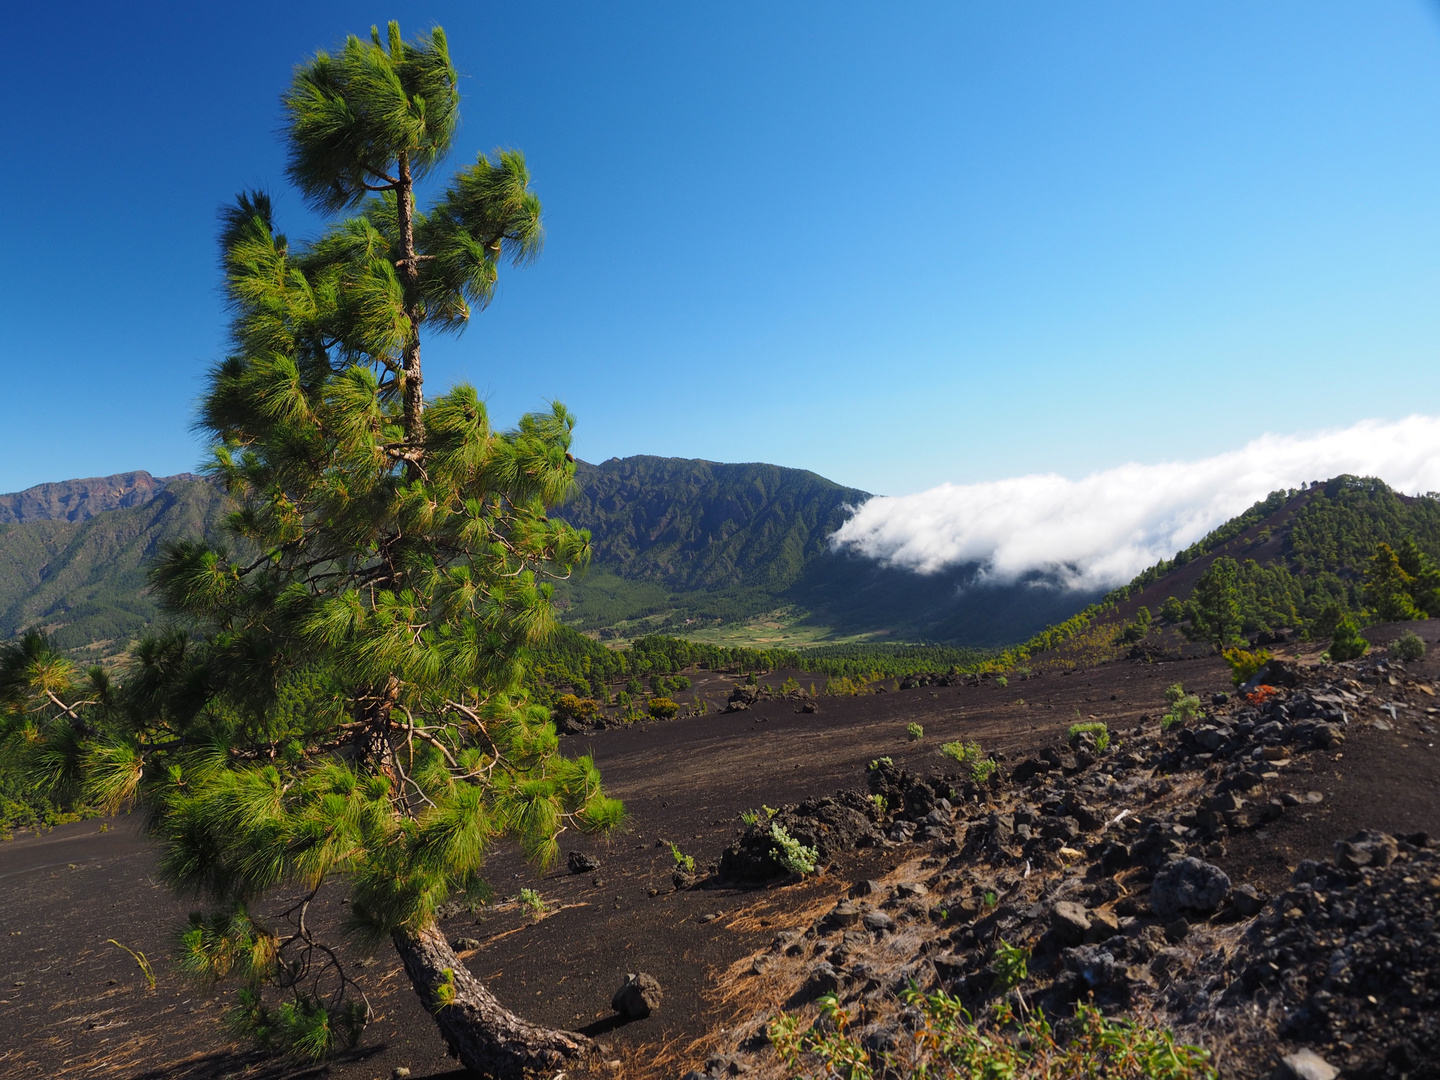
x=577 y=708
x=946 y=1043
x=662 y=708
x=915 y=731
x=1010 y=964
x=750 y=817
x=970 y=755
x=791 y=853
x=1408 y=646
x=990 y=899
x=789 y=686
x=1097 y=728
x=683 y=861
x=140 y=961
x=1346 y=643
x=1001 y=681
x=875 y=764
x=879 y=801
x=533 y=901
x=1244 y=664
x=1184 y=708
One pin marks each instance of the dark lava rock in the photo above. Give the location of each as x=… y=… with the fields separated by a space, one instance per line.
x=1069 y=921
x=464 y=944
x=1367 y=848
x=580 y=863
x=638 y=996
x=1188 y=887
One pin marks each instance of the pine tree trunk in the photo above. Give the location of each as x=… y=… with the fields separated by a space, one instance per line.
x=414 y=397
x=487 y=1038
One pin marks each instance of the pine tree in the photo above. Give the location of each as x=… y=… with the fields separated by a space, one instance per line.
x=344 y=708
x=1388 y=587
x=1214 y=606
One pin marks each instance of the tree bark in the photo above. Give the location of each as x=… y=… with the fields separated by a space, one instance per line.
x=410 y=274
x=486 y=1037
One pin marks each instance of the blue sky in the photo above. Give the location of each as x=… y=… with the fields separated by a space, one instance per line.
x=896 y=244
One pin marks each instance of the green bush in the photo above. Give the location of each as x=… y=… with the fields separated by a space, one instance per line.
x=577 y=708
x=1346 y=643
x=1001 y=681
x=970 y=754
x=1172 y=610
x=1010 y=965
x=915 y=731
x=662 y=708
x=791 y=853
x=1408 y=646
x=1244 y=665
x=682 y=861
x=1184 y=708
x=1097 y=728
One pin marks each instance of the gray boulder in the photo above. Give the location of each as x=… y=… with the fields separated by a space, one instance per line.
x=638 y=996
x=1188 y=887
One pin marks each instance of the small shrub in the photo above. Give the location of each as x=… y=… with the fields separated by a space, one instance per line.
x=750 y=817
x=970 y=754
x=915 y=731
x=1346 y=643
x=1408 y=646
x=1097 y=728
x=1244 y=664
x=789 y=686
x=1011 y=965
x=682 y=861
x=1184 y=708
x=879 y=801
x=577 y=708
x=662 y=708
x=1001 y=681
x=790 y=853
x=882 y=761
x=531 y=899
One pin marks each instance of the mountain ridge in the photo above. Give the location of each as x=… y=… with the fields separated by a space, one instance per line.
x=80 y=500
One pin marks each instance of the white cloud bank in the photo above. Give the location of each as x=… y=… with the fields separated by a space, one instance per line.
x=1101 y=531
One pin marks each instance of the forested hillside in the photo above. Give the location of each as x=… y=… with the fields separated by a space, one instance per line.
x=1299 y=560
x=84 y=581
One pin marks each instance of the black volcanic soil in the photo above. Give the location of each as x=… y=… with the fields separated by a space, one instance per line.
x=73 y=1005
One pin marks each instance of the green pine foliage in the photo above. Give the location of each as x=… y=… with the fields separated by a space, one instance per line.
x=345 y=707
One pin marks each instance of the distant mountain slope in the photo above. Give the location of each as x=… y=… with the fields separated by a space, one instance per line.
x=84 y=580
x=683 y=546
x=78 y=500
x=691 y=542
x=692 y=524
x=1298 y=553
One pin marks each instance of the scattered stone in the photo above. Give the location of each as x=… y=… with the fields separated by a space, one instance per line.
x=465 y=944
x=843 y=916
x=1069 y=921
x=1188 y=887
x=639 y=995
x=1247 y=901
x=878 y=921
x=1306 y=1065
x=400 y=1072
x=580 y=863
